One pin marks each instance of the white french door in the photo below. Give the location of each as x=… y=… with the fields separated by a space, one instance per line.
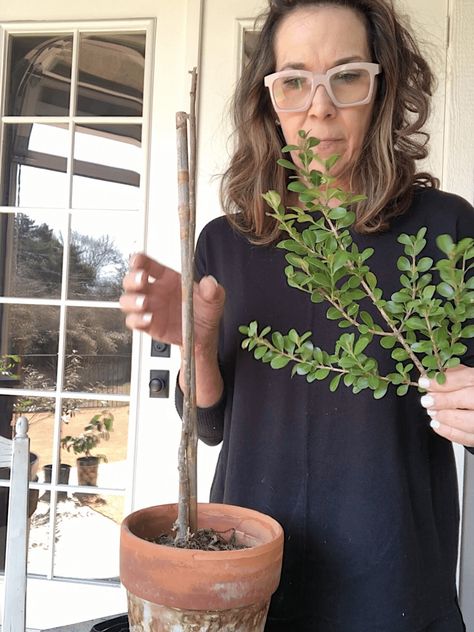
x=88 y=101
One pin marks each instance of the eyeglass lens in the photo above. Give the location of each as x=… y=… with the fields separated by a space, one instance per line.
x=348 y=87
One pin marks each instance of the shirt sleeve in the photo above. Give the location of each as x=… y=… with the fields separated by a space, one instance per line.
x=209 y=420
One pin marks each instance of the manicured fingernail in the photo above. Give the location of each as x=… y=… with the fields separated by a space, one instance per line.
x=146 y=318
x=431 y=413
x=139 y=277
x=140 y=300
x=424 y=382
x=435 y=424
x=209 y=276
x=427 y=401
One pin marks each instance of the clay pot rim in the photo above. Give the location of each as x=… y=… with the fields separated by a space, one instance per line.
x=176 y=553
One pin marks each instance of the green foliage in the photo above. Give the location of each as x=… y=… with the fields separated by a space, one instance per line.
x=8 y=366
x=98 y=429
x=421 y=325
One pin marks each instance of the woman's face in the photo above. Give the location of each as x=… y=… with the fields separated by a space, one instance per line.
x=317 y=39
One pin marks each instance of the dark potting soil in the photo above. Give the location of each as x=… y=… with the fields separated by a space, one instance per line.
x=203 y=539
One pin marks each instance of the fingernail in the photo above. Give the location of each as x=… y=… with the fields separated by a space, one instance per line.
x=435 y=424
x=146 y=318
x=209 y=276
x=424 y=382
x=427 y=401
x=431 y=413
x=139 y=277
x=140 y=300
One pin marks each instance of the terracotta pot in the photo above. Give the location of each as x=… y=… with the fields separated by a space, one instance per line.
x=182 y=590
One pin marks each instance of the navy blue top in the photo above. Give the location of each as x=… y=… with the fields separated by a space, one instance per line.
x=364 y=489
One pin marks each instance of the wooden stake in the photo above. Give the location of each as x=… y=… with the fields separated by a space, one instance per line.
x=187 y=456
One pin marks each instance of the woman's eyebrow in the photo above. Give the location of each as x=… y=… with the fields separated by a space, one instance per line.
x=302 y=66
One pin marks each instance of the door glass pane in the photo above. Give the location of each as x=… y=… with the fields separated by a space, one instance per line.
x=39 y=412
x=39 y=77
x=100 y=249
x=33 y=255
x=32 y=334
x=95 y=428
x=34 y=165
x=99 y=348
x=89 y=537
x=107 y=164
x=111 y=73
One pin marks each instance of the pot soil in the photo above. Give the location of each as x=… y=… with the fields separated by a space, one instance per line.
x=182 y=590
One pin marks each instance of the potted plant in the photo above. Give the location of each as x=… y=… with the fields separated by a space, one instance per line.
x=175 y=586
x=98 y=429
x=422 y=325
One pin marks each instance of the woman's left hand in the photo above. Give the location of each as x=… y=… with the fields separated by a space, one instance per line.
x=451 y=405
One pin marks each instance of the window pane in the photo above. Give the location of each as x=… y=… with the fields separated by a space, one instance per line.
x=100 y=250
x=111 y=72
x=34 y=165
x=33 y=254
x=98 y=347
x=95 y=429
x=107 y=164
x=89 y=537
x=39 y=81
x=32 y=334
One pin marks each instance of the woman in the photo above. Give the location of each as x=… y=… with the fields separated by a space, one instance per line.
x=365 y=490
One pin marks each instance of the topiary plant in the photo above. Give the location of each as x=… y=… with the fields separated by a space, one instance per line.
x=422 y=325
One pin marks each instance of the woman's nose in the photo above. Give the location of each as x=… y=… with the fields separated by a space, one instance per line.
x=321 y=104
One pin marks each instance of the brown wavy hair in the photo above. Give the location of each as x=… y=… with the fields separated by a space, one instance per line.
x=385 y=170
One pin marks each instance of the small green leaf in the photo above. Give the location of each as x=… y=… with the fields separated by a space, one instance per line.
x=259 y=353
x=388 y=342
x=441 y=378
x=403 y=264
x=286 y=164
x=381 y=390
x=337 y=213
x=445 y=244
x=402 y=390
x=297 y=187
x=278 y=340
x=279 y=362
x=467 y=332
x=445 y=290
x=399 y=354
x=335 y=382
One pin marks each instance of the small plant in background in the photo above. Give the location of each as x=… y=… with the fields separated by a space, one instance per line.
x=98 y=429
x=9 y=365
x=422 y=325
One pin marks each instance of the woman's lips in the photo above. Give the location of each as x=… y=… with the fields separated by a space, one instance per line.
x=328 y=145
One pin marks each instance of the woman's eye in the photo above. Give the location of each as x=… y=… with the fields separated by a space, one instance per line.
x=294 y=83
x=346 y=77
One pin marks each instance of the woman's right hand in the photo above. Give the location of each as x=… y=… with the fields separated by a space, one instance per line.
x=152 y=303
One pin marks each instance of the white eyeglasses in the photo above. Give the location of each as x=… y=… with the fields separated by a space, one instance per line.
x=347 y=85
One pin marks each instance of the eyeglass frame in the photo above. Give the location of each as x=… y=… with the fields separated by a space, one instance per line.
x=319 y=79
